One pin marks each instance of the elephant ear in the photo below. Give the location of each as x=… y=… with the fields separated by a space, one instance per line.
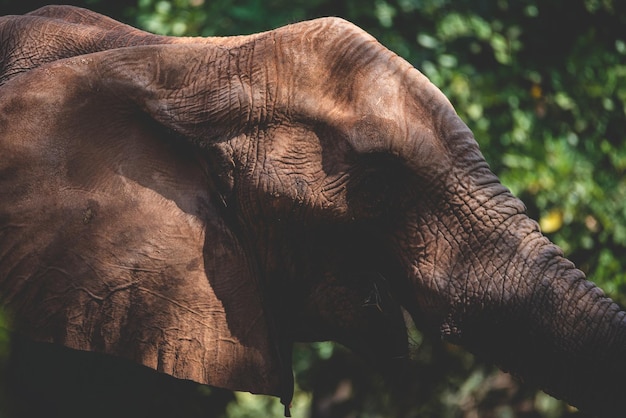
x=113 y=237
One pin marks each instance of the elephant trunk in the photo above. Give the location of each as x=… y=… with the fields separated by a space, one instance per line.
x=551 y=327
x=483 y=276
x=508 y=295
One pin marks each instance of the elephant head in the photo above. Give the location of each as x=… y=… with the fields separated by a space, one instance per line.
x=197 y=205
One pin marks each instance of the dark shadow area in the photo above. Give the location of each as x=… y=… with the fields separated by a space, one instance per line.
x=46 y=380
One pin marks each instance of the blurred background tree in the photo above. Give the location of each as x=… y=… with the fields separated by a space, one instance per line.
x=543 y=86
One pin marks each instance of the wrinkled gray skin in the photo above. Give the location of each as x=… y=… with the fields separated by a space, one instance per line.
x=197 y=205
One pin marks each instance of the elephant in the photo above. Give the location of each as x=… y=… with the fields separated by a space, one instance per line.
x=197 y=205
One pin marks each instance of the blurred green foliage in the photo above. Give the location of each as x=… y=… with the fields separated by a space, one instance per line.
x=542 y=84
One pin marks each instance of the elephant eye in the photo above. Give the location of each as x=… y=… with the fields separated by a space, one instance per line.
x=378 y=186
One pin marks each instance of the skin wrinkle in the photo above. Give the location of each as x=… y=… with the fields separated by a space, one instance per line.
x=257 y=167
x=457 y=241
x=519 y=271
x=32 y=38
x=438 y=250
x=499 y=232
x=564 y=309
x=282 y=94
x=263 y=73
x=272 y=96
x=575 y=310
x=483 y=285
x=526 y=246
x=515 y=293
x=229 y=86
x=495 y=232
x=58 y=30
x=256 y=137
x=197 y=316
x=355 y=50
x=542 y=280
x=595 y=333
x=261 y=76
